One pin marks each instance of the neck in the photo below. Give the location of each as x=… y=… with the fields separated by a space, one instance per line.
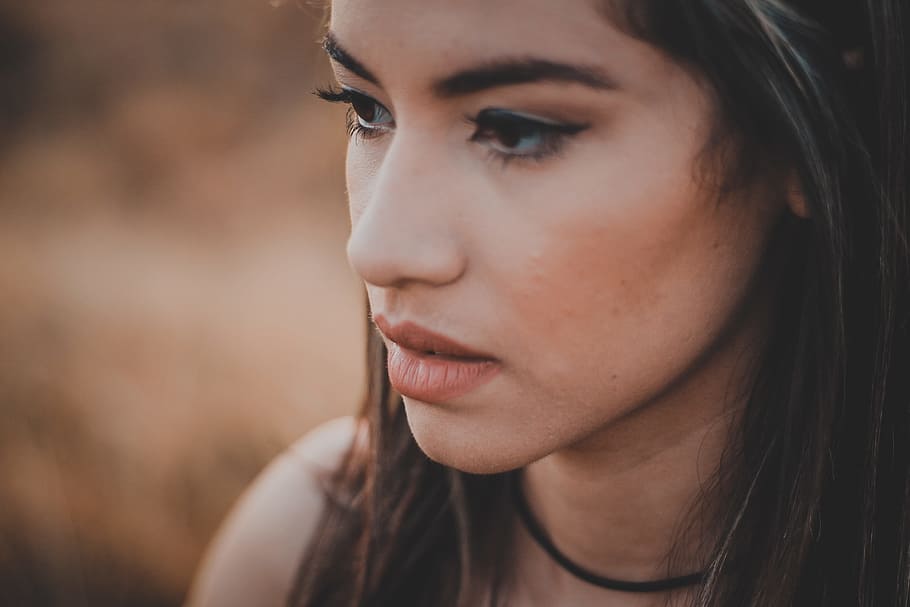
x=632 y=501
x=635 y=500
x=619 y=510
x=623 y=521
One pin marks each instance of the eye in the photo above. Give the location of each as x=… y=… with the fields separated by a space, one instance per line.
x=367 y=117
x=512 y=135
x=370 y=113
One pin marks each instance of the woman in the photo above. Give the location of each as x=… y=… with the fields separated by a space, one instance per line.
x=639 y=278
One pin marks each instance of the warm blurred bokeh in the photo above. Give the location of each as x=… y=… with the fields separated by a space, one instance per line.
x=175 y=306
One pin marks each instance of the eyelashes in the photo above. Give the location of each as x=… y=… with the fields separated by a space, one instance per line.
x=366 y=117
x=507 y=135
x=512 y=135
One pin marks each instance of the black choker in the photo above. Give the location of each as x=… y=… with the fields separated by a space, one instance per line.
x=540 y=536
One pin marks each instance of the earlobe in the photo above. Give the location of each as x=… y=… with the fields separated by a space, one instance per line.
x=796 y=198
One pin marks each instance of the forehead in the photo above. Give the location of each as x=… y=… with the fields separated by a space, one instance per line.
x=441 y=35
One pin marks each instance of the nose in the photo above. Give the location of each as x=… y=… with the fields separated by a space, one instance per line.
x=404 y=218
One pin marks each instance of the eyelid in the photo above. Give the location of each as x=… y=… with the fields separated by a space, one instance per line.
x=352 y=97
x=358 y=128
x=345 y=94
x=531 y=118
x=516 y=117
x=492 y=123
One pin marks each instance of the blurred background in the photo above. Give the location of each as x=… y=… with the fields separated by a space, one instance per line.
x=175 y=304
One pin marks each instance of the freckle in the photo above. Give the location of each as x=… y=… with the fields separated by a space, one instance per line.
x=614 y=376
x=716 y=244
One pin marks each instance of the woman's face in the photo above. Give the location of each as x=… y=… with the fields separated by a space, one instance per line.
x=528 y=181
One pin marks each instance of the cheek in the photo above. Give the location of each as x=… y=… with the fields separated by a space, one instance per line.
x=623 y=292
x=582 y=290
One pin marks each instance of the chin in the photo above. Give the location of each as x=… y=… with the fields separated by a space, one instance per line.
x=470 y=443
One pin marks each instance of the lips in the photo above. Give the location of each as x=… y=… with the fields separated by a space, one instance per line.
x=430 y=367
x=413 y=337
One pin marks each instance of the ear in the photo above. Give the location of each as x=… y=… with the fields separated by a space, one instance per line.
x=796 y=198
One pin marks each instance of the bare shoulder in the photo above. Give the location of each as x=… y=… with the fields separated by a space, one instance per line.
x=254 y=556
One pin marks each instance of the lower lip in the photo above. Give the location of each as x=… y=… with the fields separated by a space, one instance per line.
x=433 y=378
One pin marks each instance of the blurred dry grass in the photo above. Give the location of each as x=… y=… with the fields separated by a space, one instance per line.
x=175 y=306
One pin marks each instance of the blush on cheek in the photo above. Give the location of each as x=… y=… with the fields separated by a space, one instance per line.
x=622 y=303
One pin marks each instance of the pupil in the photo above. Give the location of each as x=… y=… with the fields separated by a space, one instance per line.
x=365 y=109
x=510 y=135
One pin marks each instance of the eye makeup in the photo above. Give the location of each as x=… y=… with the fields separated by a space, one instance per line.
x=366 y=117
x=514 y=135
x=508 y=135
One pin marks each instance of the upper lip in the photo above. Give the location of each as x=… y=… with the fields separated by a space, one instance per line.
x=414 y=337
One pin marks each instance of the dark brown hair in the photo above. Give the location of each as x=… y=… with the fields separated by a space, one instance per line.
x=817 y=476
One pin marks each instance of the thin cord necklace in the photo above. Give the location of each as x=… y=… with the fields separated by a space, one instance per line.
x=540 y=536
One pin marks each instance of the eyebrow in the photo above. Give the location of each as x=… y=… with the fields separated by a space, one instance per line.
x=498 y=73
x=508 y=72
x=338 y=54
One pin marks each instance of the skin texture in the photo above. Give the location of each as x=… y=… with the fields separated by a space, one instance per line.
x=623 y=299
x=254 y=557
